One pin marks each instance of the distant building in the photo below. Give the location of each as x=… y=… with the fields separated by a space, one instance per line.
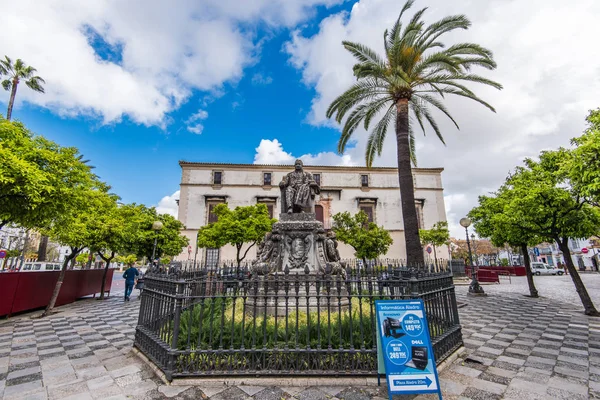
x=373 y=190
x=582 y=252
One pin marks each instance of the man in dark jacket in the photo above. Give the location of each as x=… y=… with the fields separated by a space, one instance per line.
x=130 y=275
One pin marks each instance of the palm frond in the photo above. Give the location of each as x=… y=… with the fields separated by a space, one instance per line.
x=446 y=24
x=416 y=67
x=377 y=136
x=439 y=105
x=7 y=84
x=362 y=52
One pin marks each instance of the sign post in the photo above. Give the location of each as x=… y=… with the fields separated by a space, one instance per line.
x=405 y=346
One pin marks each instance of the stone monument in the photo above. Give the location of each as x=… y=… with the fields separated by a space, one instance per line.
x=298 y=243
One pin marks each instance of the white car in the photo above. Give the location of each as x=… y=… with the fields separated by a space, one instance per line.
x=538 y=268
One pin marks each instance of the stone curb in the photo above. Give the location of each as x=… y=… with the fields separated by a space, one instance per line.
x=278 y=381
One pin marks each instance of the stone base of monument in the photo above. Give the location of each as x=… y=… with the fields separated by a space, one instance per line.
x=286 y=294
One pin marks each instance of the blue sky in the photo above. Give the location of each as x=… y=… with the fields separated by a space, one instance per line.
x=141 y=163
x=139 y=85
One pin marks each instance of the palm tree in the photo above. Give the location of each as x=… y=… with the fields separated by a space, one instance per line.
x=17 y=72
x=417 y=71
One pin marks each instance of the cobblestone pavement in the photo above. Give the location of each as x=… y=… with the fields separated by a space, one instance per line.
x=520 y=348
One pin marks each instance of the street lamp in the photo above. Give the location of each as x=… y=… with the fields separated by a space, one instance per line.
x=474 y=288
x=156 y=226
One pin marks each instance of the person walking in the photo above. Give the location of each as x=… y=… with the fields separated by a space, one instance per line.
x=130 y=275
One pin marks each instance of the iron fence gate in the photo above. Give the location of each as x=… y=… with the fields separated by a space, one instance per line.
x=225 y=322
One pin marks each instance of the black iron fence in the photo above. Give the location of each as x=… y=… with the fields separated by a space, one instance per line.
x=225 y=322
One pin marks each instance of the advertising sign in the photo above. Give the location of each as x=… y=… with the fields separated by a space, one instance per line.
x=405 y=347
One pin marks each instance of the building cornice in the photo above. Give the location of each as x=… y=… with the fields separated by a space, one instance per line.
x=282 y=167
x=323 y=189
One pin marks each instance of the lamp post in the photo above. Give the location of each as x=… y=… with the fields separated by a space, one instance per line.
x=474 y=288
x=156 y=226
x=474 y=248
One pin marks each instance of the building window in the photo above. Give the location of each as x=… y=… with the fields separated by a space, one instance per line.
x=419 y=206
x=319 y=215
x=369 y=210
x=267 y=179
x=364 y=180
x=317 y=178
x=212 y=217
x=212 y=258
x=217 y=177
x=270 y=203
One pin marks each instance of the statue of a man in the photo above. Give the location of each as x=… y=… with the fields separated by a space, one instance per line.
x=299 y=189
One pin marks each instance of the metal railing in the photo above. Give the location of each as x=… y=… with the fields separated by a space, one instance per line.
x=225 y=322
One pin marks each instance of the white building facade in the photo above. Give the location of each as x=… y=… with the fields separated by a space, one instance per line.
x=373 y=190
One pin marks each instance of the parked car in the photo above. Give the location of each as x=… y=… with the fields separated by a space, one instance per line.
x=40 y=266
x=538 y=268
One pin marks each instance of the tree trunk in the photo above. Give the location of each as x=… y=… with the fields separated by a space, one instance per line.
x=588 y=305
x=43 y=248
x=61 y=278
x=414 y=250
x=13 y=93
x=435 y=258
x=532 y=290
x=107 y=260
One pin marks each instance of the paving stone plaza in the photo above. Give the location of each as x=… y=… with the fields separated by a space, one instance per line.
x=516 y=348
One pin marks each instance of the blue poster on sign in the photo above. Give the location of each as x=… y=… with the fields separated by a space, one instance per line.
x=406 y=347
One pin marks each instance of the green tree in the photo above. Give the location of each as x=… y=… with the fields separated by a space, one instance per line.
x=74 y=228
x=490 y=220
x=241 y=225
x=82 y=258
x=583 y=164
x=368 y=240
x=170 y=242
x=128 y=259
x=438 y=235
x=114 y=231
x=16 y=72
x=37 y=177
x=546 y=206
x=412 y=77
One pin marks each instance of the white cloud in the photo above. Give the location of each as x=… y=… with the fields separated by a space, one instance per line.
x=271 y=152
x=260 y=79
x=168 y=50
x=192 y=123
x=551 y=79
x=168 y=205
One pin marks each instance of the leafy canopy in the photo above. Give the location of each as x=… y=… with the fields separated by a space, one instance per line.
x=583 y=163
x=416 y=67
x=367 y=239
x=37 y=177
x=540 y=198
x=438 y=235
x=241 y=225
x=491 y=220
x=140 y=236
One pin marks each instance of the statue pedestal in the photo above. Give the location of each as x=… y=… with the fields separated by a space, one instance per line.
x=284 y=294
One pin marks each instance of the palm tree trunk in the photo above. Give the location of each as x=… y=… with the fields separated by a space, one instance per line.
x=588 y=305
x=13 y=93
x=532 y=290
x=414 y=251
